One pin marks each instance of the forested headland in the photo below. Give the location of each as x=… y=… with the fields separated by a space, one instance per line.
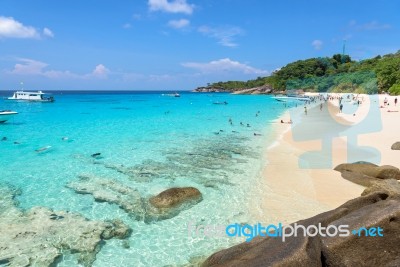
x=338 y=73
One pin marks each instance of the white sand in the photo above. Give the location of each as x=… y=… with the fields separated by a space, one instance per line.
x=293 y=193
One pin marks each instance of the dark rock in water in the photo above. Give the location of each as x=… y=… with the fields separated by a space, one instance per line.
x=95 y=155
x=4 y=139
x=166 y=205
x=175 y=196
x=371 y=170
x=396 y=146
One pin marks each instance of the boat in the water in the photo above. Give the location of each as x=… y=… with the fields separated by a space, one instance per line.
x=292 y=98
x=174 y=94
x=6 y=115
x=38 y=96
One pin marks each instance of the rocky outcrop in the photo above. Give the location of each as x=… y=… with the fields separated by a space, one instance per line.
x=165 y=205
x=175 y=196
x=371 y=170
x=266 y=89
x=40 y=236
x=379 y=206
x=396 y=146
x=210 y=90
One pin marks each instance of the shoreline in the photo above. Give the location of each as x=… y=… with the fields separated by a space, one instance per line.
x=291 y=193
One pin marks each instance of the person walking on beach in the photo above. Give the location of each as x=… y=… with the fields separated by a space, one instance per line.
x=305 y=110
x=341 y=108
x=320 y=106
x=395 y=102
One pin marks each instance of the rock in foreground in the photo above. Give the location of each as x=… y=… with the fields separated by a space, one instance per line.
x=379 y=206
x=371 y=170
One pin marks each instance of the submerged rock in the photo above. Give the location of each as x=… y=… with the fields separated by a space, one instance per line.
x=166 y=205
x=39 y=236
x=209 y=163
x=175 y=196
x=396 y=146
x=110 y=191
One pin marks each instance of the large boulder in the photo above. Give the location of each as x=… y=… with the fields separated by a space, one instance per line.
x=175 y=196
x=396 y=146
x=295 y=251
x=381 y=172
x=360 y=250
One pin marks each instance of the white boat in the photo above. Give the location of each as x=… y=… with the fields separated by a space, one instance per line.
x=174 y=95
x=6 y=115
x=291 y=98
x=38 y=96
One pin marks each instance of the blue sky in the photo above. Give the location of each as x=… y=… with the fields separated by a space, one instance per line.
x=180 y=44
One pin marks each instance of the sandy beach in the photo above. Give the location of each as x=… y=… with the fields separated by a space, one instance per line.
x=299 y=184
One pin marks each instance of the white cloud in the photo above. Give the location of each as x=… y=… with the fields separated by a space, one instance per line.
x=317 y=44
x=175 y=6
x=47 y=32
x=224 y=65
x=29 y=66
x=100 y=71
x=369 y=26
x=224 y=35
x=33 y=67
x=178 y=24
x=10 y=28
x=126 y=26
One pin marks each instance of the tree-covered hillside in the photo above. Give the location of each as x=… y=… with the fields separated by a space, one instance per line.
x=338 y=73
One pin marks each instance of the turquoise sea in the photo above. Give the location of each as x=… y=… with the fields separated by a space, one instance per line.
x=185 y=141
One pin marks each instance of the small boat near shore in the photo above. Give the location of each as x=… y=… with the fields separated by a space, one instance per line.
x=291 y=98
x=6 y=115
x=38 y=96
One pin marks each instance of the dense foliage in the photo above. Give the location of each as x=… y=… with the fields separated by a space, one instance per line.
x=338 y=73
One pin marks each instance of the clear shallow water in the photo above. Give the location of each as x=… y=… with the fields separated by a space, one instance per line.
x=175 y=136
